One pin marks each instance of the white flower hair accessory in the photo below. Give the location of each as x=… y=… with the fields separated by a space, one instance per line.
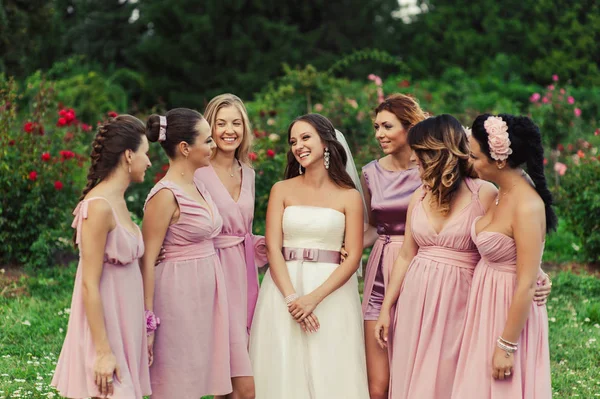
x=498 y=138
x=467 y=131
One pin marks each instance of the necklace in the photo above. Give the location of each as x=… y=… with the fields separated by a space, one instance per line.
x=504 y=194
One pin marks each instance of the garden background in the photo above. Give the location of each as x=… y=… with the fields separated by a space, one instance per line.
x=66 y=65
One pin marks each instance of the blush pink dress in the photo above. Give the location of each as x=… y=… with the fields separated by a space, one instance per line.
x=491 y=295
x=432 y=305
x=240 y=252
x=122 y=295
x=191 y=347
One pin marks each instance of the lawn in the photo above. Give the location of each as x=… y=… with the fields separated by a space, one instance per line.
x=34 y=312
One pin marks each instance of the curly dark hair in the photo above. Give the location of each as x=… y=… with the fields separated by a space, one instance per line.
x=526 y=145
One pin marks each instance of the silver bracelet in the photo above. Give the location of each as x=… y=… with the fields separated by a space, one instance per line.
x=506 y=348
x=508 y=342
x=290 y=298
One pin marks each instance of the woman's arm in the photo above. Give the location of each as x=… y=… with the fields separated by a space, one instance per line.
x=274 y=241
x=94 y=230
x=407 y=253
x=160 y=210
x=370 y=231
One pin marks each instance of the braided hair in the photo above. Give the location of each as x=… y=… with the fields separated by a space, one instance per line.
x=112 y=139
x=526 y=145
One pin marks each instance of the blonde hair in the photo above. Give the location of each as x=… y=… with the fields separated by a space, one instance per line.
x=442 y=146
x=231 y=100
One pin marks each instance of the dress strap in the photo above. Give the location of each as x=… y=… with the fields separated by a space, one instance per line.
x=81 y=213
x=474 y=185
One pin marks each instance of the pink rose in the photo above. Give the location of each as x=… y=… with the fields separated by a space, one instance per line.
x=577 y=112
x=535 y=97
x=318 y=107
x=555 y=78
x=545 y=100
x=560 y=168
x=260 y=251
x=570 y=100
x=498 y=138
x=551 y=87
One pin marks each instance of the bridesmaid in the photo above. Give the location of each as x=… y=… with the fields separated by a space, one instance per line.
x=104 y=352
x=432 y=275
x=187 y=290
x=230 y=181
x=505 y=348
x=388 y=184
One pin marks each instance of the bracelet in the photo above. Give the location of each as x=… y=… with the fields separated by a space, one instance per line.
x=152 y=322
x=508 y=349
x=508 y=342
x=290 y=298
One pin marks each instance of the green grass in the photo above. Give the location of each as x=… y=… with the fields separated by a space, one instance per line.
x=33 y=326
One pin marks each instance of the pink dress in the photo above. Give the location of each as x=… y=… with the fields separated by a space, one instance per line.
x=491 y=295
x=239 y=252
x=390 y=195
x=191 y=347
x=432 y=305
x=122 y=295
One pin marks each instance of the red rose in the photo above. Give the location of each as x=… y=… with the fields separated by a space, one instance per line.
x=560 y=147
x=11 y=143
x=580 y=154
x=545 y=161
x=33 y=175
x=112 y=114
x=165 y=167
x=85 y=128
x=28 y=127
x=45 y=157
x=252 y=156
x=61 y=122
x=62 y=113
x=270 y=153
x=58 y=185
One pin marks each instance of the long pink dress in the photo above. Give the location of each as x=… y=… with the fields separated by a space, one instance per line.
x=191 y=347
x=432 y=305
x=240 y=252
x=122 y=295
x=491 y=295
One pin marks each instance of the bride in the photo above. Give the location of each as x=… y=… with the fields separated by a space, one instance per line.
x=306 y=340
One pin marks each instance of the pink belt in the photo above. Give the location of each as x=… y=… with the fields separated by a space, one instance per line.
x=249 y=240
x=454 y=257
x=196 y=250
x=309 y=255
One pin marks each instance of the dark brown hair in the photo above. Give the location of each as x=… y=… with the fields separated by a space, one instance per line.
x=337 y=158
x=442 y=146
x=181 y=126
x=112 y=139
x=526 y=145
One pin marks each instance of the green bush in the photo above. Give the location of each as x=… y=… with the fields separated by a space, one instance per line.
x=43 y=159
x=579 y=202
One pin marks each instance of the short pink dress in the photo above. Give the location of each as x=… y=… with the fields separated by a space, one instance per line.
x=240 y=253
x=191 y=347
x=122 y=295
x=491 y=295
x=431 y=308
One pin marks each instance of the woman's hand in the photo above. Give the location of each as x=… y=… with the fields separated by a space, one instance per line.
x=542 y=291
x=343 y=254
x=104 y=369
x=502 y=365
x=302 y=307
x=382 y=328
x=150 y=348
x=161 y=256
x=310 y=324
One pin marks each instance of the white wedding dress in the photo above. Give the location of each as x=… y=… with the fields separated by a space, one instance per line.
x=289 y=363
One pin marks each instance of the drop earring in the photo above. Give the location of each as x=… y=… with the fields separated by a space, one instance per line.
x=326 y=158
x=300 y=169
